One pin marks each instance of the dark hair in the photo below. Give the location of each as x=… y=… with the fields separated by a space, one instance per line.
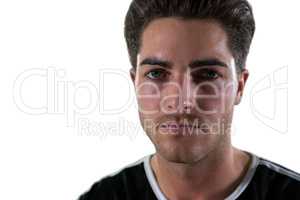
x=235 y=16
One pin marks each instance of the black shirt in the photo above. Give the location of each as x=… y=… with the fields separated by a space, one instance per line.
x=263 y=180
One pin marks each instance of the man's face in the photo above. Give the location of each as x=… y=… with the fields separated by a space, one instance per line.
x=186 y=86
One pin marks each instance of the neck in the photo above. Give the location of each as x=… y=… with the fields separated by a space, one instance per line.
x=213 y=177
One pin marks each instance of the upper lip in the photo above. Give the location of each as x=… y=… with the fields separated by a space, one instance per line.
x=178 y=125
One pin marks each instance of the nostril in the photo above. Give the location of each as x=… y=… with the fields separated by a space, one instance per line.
x=170 y=107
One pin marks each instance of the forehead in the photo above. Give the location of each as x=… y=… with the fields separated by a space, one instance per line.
x=184 y=40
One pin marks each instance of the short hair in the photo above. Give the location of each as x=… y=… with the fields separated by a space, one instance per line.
x=235 y=17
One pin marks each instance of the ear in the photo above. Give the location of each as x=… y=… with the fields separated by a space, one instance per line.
x=132 y=72
x=242 y=79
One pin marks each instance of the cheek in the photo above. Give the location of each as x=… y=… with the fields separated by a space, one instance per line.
x=217 y=98
x=148 y=99
x=228 y=98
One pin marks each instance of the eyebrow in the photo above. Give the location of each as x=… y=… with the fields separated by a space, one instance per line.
x=208 y=62
x=194 y=64
x=156 y=61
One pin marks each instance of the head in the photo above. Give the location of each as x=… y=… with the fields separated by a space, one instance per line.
x=189 y=70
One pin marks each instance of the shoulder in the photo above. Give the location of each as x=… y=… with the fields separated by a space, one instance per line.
x=276 y=181
x=276 y=171
x=101 y=190
x=116 y=184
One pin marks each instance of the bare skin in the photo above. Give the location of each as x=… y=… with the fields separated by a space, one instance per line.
x=186 y=73
x=208 y=179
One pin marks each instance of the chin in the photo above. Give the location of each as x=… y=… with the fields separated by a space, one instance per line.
x=183 y=152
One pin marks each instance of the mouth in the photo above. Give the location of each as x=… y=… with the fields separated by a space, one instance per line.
x=179 y=128
x=176 y=126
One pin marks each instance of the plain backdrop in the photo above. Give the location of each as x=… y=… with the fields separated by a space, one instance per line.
x=68 y=111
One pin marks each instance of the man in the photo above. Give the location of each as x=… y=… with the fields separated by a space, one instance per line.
x=189 y=70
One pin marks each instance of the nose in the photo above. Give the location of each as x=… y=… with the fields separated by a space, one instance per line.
x=180 y=94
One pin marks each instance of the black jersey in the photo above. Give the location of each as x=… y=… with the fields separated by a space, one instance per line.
x=263 y=180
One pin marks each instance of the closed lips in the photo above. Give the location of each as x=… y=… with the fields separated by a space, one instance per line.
x=175 y=126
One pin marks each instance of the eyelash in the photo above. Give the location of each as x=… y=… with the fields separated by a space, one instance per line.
x=156 y=70
x=208 y=71
x=196 y=75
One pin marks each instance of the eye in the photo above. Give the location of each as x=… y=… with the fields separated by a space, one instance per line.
x=207 y=74
x=156 y=74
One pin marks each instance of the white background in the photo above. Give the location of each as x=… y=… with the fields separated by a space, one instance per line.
x=49 y=156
